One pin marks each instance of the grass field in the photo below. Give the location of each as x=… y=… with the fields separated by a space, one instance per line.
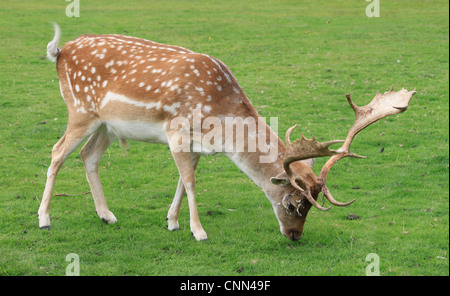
x=295 y=60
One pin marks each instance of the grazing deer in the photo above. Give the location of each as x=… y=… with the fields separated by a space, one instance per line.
x=123 y=87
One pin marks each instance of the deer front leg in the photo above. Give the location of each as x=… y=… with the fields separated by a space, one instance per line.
x=91 y=153
x=172 y=215
x=185 y=164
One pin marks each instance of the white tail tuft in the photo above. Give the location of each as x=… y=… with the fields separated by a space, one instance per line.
x=52 y=46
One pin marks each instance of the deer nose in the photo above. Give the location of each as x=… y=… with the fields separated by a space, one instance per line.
x=295 y=235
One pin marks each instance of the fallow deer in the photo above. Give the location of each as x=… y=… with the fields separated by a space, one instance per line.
x=123 y=87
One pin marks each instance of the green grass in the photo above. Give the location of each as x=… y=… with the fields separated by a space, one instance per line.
x=295 y=61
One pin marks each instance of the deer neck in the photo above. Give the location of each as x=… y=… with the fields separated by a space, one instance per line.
x=262 y=164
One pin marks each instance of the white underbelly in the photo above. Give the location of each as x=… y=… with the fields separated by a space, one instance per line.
x=138 y=130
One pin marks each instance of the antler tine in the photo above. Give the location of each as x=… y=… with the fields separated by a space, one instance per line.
x=330 y=198
x=304 y=149
x=288 y=134
x=381 y=106
x=307 y=194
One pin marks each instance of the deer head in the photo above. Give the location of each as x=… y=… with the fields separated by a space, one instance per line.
x=300 y=186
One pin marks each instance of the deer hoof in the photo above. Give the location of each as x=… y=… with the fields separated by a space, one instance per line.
x=44 y=221
x=200 y=235
x=172 y=225
x=109 y=218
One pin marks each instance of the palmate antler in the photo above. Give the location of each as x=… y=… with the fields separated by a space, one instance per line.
x=381 y=106
x=305 y=149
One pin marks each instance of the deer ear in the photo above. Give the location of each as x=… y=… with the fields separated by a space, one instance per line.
x=282 y=179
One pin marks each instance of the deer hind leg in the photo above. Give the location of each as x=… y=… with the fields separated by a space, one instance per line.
x=172 y=215
x=91 y=153
x=73 y=137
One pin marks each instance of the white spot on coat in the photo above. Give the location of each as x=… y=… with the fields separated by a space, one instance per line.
x=206 y=109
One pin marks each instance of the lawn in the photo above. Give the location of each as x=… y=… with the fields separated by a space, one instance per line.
x=295 y=60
